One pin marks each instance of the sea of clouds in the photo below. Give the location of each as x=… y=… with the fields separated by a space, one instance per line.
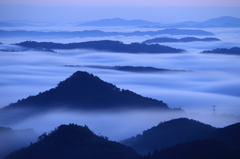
x=213 y=80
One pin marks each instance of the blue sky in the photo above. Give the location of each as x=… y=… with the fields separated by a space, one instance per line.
x=135 y=3
x=164 y=11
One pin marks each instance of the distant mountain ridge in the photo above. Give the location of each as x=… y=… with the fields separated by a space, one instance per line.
x=15 y=24
x=137 y=69
x=11 y=140
x=30 y=49
x=98 y=33
x=224 y=22
x=104 y=45
x=26 y=23
x=118 y=22
x=186 y=39
x=231 y=51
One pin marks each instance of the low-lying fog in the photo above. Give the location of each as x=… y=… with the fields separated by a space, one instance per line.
x=116 y=125
x=215 y=81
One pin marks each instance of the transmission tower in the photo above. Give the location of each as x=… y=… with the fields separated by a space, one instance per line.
x=214 y=109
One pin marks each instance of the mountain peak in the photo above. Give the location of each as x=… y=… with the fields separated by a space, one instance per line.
x=83 y=81
x=85 y=91
x=223 y=20
x=80 y=75
x=119 y=22
x=74 y=141
x=169 y=133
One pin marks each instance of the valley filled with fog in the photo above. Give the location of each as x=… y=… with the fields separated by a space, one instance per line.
x=207 y=80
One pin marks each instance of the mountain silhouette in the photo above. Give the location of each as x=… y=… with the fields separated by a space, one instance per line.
x=195 y=140
x=73 y=141
x=137 y=69
x=105 y=45
x=223 y=22
x=8 y=50
x=187 y=39
x=29 y=49
x=26 y=23
x=41 y=49
x=118 y=22
x=199 y=149
x=230 y=134
x=14 y=24
x=182 y=130
x=11 y=140
x=81 y=91
x=168 y=134
x=84 y=90
x=231 y=51
x=98 y=33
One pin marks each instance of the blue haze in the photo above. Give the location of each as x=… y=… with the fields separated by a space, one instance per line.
x=66 y=14
x=215 y=81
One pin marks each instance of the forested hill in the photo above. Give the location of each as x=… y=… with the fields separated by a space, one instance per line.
x=104 y=45
x=81 y=91
x=168 y=134
x=86 y=91
x=99 y=33
x=183 y=130
x=183 y=40
x=73 y=141
x=198 y=149
x=231 y=51
x=136 y=69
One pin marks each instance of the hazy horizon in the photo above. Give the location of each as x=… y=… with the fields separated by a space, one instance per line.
x=74 y=14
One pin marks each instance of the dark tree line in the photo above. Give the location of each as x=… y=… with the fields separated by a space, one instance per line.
x=231 y=51
x=105 y=45
x=73 y=142
x=186 y=39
